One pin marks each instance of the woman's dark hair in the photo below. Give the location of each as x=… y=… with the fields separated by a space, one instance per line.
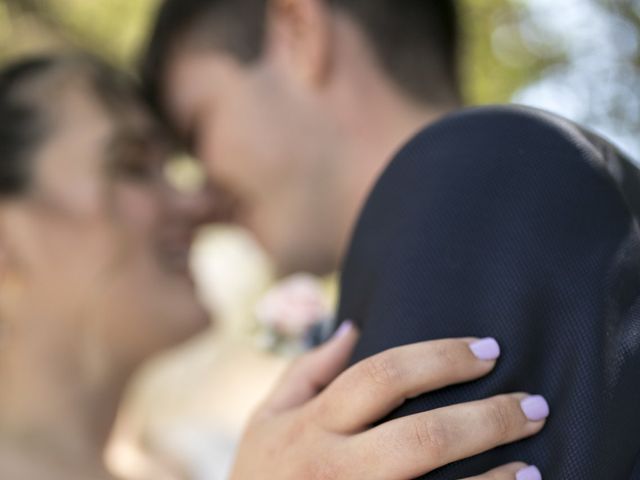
x=21 y=125
x=25 y=114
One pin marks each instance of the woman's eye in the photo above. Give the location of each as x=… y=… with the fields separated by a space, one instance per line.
x=136 y=170
x=135 y=160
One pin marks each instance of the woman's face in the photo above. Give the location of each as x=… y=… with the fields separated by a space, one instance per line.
x=100 y=243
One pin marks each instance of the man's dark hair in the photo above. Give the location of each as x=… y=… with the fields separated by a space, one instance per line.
x=416 y=41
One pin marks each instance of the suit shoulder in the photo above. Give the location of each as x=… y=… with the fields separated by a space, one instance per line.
x=514 y=132
x=511 y=117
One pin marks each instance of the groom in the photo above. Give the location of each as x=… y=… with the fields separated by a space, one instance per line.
x=297 y=107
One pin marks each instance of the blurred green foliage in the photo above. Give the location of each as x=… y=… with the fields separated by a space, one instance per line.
x=113 y=29
x=495 y=62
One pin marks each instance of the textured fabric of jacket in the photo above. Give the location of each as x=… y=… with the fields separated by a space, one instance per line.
x=513 y=223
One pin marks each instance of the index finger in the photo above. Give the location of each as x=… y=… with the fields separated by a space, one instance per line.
x=377 y=385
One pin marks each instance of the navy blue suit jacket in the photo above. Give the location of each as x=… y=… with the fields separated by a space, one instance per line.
x=513 y=223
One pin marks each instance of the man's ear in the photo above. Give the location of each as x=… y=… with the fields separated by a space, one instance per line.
x=299 y=32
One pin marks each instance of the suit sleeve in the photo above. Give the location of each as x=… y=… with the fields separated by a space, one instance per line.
x=501 y=223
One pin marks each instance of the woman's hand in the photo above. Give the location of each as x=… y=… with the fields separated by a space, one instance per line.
x=307 y=431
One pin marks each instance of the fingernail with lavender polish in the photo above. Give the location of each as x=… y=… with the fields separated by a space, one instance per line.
x=345 y=327
x=486 y=349
x=535 y=408
x=529 y=473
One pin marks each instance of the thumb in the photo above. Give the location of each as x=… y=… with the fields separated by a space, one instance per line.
x=313 y=371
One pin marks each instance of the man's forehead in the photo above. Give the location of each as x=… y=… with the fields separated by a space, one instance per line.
x=184 y=81
x=188 y=87
x=192 y=74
